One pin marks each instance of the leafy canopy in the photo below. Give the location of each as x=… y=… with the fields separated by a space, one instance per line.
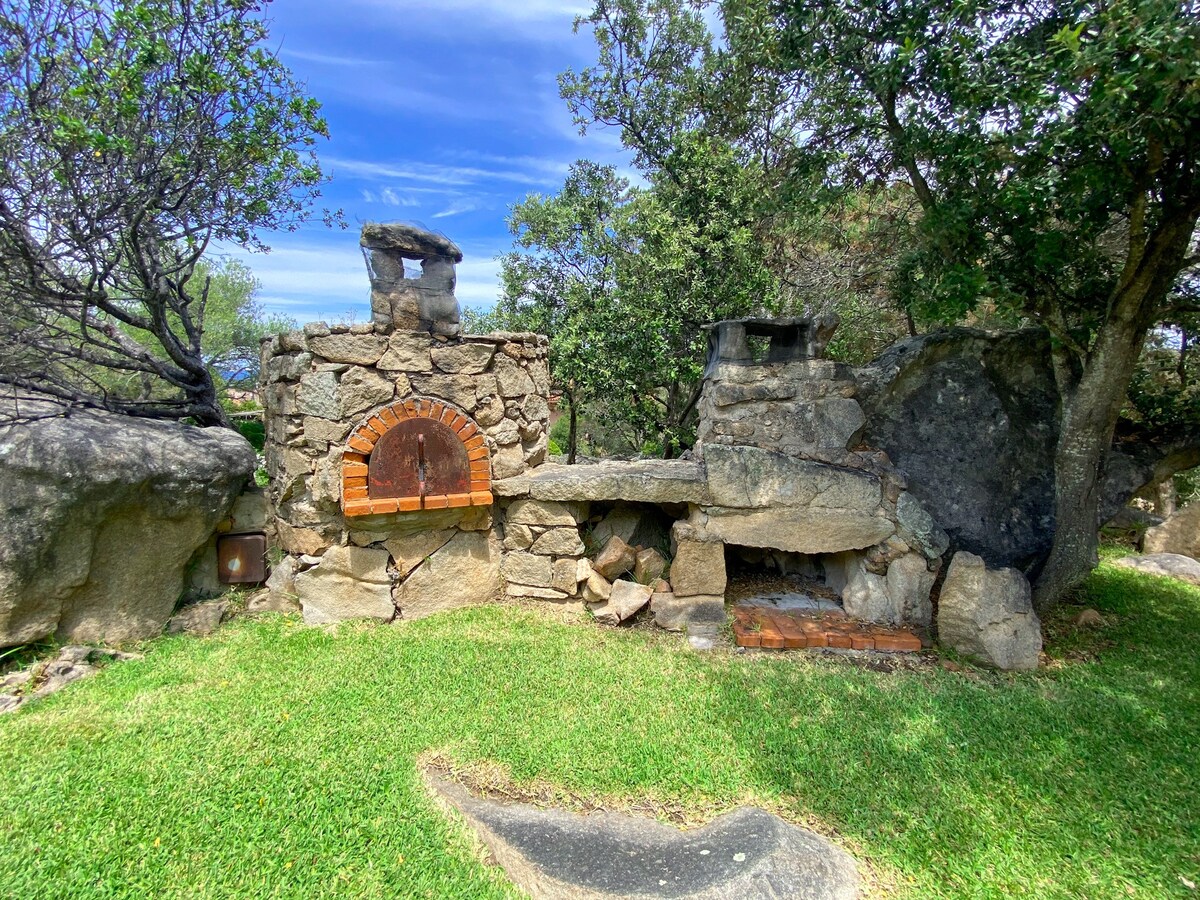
x=133 y=135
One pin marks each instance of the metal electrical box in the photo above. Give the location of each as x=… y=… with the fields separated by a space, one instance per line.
x=242 y=558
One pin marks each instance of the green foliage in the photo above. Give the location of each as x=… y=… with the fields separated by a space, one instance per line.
x=479 y=321
x=622 y=280
x=1187 y=486
x=1049 y=144
x=133 y=135
x=1165 y=393
x=560 y=430
x=234 y=320
x=253 y=431
x=286 y=786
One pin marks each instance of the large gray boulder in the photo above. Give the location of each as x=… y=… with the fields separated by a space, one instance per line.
x=971 y=418
x=100 y=515
x=987 y=614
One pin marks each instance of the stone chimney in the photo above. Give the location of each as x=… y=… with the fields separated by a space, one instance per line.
x=401 y=303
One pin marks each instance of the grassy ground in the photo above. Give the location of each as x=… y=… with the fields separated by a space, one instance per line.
x=273 y=760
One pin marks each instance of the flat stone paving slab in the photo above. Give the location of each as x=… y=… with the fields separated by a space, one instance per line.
x=1167 y=565
x=644 y=480
x=743 y=855
x=793 y=600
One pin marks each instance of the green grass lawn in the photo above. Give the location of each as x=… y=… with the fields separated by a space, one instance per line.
x=274 y=760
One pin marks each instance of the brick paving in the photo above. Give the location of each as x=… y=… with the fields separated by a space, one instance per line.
x=795 y=629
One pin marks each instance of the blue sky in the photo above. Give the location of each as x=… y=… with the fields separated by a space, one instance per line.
x=442 y=113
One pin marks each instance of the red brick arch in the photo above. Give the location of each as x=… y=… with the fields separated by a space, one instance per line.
x=357 y=499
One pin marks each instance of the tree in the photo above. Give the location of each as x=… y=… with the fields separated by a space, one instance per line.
x=565 y=281
x=623 y=280
x=234 y=321
x=1051 y=150
x=705 y=129
x=133 y=136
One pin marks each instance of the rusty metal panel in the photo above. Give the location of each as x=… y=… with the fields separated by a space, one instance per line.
x=418 y=458
x=242 y=559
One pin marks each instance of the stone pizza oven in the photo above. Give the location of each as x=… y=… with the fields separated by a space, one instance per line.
x=383 y=440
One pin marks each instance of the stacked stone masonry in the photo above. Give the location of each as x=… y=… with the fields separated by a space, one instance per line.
x=544 y=555
x=779 y=468
x=331 y=392
x=331 y=395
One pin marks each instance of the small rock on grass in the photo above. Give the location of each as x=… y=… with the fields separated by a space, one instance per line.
x=1167 y=565
x=627 y=598
x=199 y=618
x=70 y=664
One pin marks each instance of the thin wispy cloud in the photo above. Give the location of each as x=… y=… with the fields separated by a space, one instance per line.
x=324 y=59
x=457 y=209
x=391 y=198
x=478 y=279
x=551 y=167
x=431 y=173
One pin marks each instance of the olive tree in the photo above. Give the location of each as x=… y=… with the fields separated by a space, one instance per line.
x=134 y=136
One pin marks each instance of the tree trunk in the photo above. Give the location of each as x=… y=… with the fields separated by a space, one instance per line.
x=1164 y=498
x=1091 y=405
x=573 y=431
x=206 y=406
x=1092 y=395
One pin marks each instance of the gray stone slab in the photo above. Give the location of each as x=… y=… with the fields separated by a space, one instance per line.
x=745 y=854
x=791 y=600
x=643 y=481
x=1167 y=565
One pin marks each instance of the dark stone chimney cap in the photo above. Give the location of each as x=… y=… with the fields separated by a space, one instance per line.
x=408 y=241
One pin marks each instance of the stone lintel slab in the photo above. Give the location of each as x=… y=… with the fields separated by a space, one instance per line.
x=750 y=477
x=641 y=481
x=817 y=530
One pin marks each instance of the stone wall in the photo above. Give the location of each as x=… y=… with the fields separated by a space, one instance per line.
x=317 y=386
x=804 y=407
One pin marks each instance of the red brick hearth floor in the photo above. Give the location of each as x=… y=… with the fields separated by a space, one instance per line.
x=794 y=629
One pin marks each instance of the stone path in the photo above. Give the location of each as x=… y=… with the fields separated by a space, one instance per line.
x=789 y=623
x=744 y=855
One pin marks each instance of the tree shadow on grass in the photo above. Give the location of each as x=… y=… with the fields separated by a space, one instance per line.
x=1080 y=780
